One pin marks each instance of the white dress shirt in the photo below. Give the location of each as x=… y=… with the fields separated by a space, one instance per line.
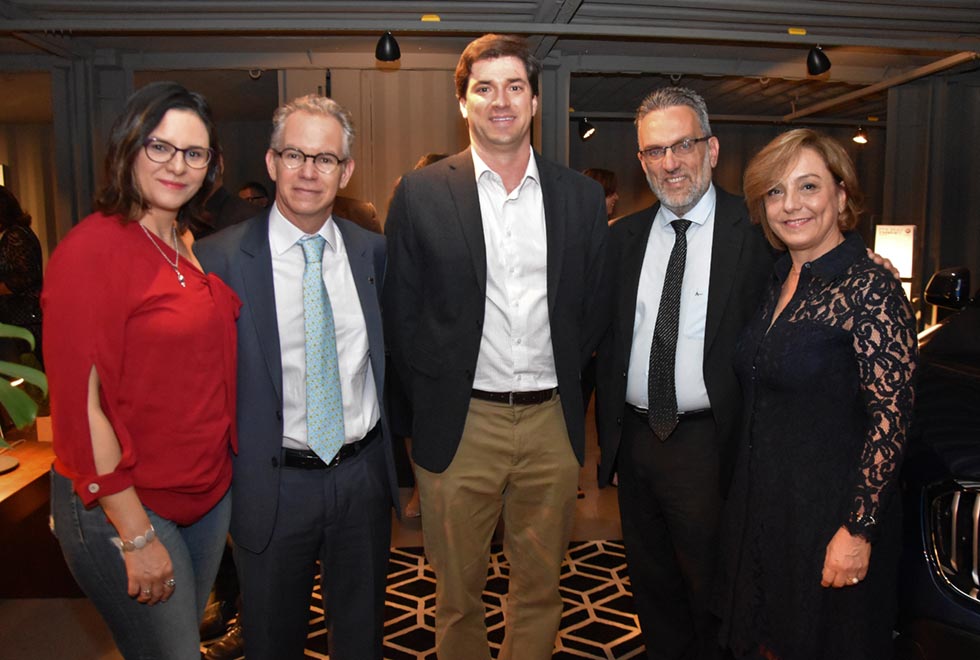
x=516 y=353
x=361 y=409
x=689 y=361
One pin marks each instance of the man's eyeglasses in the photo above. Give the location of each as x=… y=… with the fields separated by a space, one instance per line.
x=681 y=148
x=160 y=151
x=294 y=158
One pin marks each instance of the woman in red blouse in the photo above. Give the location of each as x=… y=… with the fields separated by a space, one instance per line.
x=140 y=353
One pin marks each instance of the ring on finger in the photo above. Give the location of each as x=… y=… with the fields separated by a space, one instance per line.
x=855 y=580
x=146 y=591
x=170 y=583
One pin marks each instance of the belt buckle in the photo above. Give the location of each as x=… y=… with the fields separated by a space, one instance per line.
x=510 y=398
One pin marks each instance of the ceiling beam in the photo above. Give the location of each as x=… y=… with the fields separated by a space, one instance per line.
x=921 y=72
x=272 y=26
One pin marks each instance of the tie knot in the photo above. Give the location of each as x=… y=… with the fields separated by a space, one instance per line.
x=313 y=248
x=680 y=226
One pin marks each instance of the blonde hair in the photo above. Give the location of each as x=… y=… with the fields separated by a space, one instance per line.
x=777 y=156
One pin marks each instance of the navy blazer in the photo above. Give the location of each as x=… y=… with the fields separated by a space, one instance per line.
x=435 y=294
x=741 y=262
x=241 y=256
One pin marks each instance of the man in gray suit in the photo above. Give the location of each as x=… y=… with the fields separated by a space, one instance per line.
x=493 y=303
x=308 y=486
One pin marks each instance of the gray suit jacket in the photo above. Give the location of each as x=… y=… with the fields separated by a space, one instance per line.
x=241 y=256
x=435 y=294
x=741 y=262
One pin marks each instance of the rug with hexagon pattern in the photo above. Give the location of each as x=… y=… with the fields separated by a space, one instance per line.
x=598 y=622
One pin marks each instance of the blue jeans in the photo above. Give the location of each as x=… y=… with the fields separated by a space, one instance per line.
x=165 y=631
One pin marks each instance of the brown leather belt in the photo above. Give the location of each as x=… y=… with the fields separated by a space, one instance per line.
x=306 y=459
x=516 y=398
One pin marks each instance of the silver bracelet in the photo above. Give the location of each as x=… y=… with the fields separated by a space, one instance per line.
x=137 y=543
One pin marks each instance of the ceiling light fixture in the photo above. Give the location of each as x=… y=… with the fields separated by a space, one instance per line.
x=817 y=61
x=585 y=129
x=387 y=49
x=861 y=137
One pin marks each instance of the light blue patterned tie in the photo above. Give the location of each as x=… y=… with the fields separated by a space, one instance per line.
x=324 y=403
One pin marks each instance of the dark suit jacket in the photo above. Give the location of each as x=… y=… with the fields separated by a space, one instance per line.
x=741 y=262
x=436 y=290
x=241 y=256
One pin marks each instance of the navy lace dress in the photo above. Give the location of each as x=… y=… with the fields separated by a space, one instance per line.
x=828 y=394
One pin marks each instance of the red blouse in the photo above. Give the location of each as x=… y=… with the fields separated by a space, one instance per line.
x=166 y=359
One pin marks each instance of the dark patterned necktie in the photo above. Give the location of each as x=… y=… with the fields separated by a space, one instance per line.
x=662 y=398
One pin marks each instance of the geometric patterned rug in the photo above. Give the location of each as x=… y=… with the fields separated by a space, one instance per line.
x=598 y=622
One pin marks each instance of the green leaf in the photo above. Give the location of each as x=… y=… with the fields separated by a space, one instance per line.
x=29 y=374
x=16 y=332
x=19 y=406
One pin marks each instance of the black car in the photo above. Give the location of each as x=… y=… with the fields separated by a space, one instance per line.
x=940 y=571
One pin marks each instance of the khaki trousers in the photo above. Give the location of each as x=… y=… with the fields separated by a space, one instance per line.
x=516 y=460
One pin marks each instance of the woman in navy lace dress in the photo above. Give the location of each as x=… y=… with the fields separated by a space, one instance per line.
x=812 y=534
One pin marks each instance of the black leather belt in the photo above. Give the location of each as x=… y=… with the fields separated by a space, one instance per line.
x=306 y=459
x=681 y=416
x=516 y=398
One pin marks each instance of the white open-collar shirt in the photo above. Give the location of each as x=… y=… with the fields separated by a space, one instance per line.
x=516 y=353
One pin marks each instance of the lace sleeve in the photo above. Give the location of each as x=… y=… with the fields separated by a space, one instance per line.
x=20 y=260
x=886 y=349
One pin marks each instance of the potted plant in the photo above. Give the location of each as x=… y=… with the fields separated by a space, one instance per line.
x=18 y=403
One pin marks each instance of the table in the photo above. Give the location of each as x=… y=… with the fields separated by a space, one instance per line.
x=32 y=565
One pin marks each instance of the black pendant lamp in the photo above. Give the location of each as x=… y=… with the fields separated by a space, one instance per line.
x=387 y=49
x=585 y=129
x=817 y=61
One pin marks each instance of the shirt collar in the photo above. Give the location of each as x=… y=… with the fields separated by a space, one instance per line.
x=480 y=167
x=283 y=234
x=699 y=215
x=832 y=264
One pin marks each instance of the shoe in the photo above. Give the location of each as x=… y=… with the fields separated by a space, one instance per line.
x=413 y=508
x=229 y=647
x=216 y=618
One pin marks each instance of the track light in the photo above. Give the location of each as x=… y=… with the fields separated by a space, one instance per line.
x=387 y=49
x=861 y=137
x=817 y=61
x=585 y=129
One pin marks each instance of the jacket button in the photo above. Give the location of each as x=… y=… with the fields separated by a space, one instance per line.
x=624 y=374
x=275 y=462
x=370 y=280
x=619 y=421
x=279 y=415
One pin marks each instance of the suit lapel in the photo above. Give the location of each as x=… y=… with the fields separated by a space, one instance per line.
x=631 y=264
x=726 y=250
x=360 y=257
x=462 y=188
x=555 y=219
x=256 y=265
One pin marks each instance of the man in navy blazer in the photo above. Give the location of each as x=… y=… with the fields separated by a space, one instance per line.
x=493 y=304
x=671 y=489
x=291 y=505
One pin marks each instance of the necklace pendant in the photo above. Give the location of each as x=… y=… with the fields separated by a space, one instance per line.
x=180 y=278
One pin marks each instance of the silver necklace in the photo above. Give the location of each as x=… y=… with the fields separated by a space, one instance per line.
x=173 y=264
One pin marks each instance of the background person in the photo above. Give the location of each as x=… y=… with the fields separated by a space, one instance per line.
x=812 y=534
x=140 y=349
x=255 y=194
x=20 y=277
x=607 y=179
